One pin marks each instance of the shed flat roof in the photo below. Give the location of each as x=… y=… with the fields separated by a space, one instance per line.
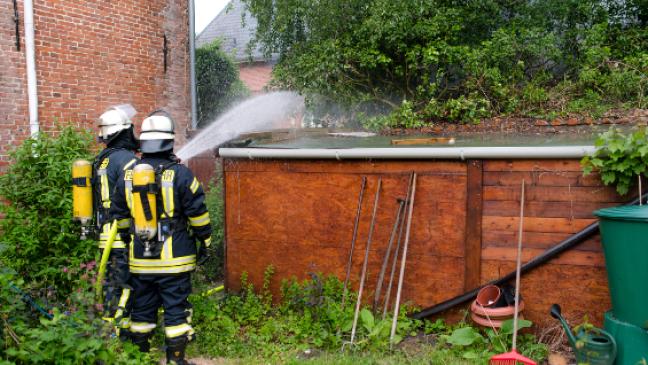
x=308 y=143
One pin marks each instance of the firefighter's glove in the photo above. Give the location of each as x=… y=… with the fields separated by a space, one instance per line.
x=203 y=254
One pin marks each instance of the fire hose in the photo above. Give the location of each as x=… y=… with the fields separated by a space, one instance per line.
x=112 y=235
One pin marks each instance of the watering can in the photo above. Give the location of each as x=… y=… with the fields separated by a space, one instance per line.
x=594 y=347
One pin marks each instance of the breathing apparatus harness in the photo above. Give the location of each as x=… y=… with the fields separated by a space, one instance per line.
x=99 y=171
x=154 y=232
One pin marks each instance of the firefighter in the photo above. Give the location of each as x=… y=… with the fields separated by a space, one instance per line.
x=169 y=220
x=116 y=132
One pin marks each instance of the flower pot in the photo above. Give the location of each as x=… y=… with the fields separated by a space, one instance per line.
x=488 y=296
x=497 y=313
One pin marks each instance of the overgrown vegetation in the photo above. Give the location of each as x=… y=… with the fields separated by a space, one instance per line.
x=461 y=61
x=38 y=238
x=620 y=158
x=308 y=321
x=211 y=271
x=43 y=263
x=217 y=82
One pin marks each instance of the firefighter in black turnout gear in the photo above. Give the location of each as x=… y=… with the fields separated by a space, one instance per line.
x=169 y=220
x=116 y=132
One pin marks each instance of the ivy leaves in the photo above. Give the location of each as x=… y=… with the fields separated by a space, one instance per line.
x=619 y=158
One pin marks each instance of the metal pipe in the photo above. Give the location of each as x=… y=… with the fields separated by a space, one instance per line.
x=539 y=260
x=395 y=260
x=383 y=268
x=30 y=62
x=462 y=153
x=192 y=64
x=401 y=276
x=363 y=274
x=353 y=240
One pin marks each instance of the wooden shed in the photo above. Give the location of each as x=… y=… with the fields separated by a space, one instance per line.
x=292 y=204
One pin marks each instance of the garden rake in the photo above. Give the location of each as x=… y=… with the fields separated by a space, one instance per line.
x=513 y=357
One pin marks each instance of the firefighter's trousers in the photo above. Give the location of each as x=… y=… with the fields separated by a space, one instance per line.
x=117 y=292
x=170 y=291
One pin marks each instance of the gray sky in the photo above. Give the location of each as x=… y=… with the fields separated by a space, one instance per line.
x=206 y=10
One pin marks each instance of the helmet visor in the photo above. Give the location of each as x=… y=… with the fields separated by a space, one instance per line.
x=156 y=145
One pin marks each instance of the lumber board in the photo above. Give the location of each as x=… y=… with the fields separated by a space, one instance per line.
x=554 y=194
x=573 y=210
x=549 y=165
x=541 y=178
x=572 y=257
x=422 y=167
x=535 y=240
x=473 y=242
x=536 y=224
x=423 y=141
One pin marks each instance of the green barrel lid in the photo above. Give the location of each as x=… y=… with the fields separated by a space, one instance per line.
x=625 y=212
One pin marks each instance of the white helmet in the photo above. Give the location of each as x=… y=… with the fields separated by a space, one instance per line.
x=158 y=133
x=114 y=120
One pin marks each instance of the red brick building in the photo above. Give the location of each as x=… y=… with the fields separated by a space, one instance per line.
x=90 y=54
x=235 y=27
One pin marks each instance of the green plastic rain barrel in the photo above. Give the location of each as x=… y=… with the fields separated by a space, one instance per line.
x=624 y=235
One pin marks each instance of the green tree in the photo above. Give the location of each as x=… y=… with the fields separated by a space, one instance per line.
x=459 y=60
x=217 y=81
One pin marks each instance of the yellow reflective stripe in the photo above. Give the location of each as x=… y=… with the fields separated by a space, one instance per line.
x=179 y=330
x=162 y=269
x=128 y=187
x=105 y=191
x=194 y=185
x=124 y=298
x=167 y=192
x=167 y=199
x=116 y=244
x=167 y=252
x=123 y=223
x=129 y=164
x=103 y=238
x=142 y=327
x=160 y=262
x=199 y=221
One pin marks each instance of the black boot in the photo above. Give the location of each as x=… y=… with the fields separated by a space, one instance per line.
x=175 y=350
x=141 y=340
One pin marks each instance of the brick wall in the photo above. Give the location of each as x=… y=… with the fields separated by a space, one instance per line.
x=255 y=76
x=14 y=125
x=91 y=54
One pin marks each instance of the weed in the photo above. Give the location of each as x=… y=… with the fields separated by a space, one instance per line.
x=619 y=158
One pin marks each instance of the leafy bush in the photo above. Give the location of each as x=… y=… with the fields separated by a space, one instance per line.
x=212 y=270
x=38 y=237
x=217 y=82
x=619 y=158
x=74 y=335
x=460 y=60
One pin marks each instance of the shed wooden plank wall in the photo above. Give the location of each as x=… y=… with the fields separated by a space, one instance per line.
x=298 y=216
x=560 y=202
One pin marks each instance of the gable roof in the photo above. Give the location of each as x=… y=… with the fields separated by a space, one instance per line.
x=235 y=27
